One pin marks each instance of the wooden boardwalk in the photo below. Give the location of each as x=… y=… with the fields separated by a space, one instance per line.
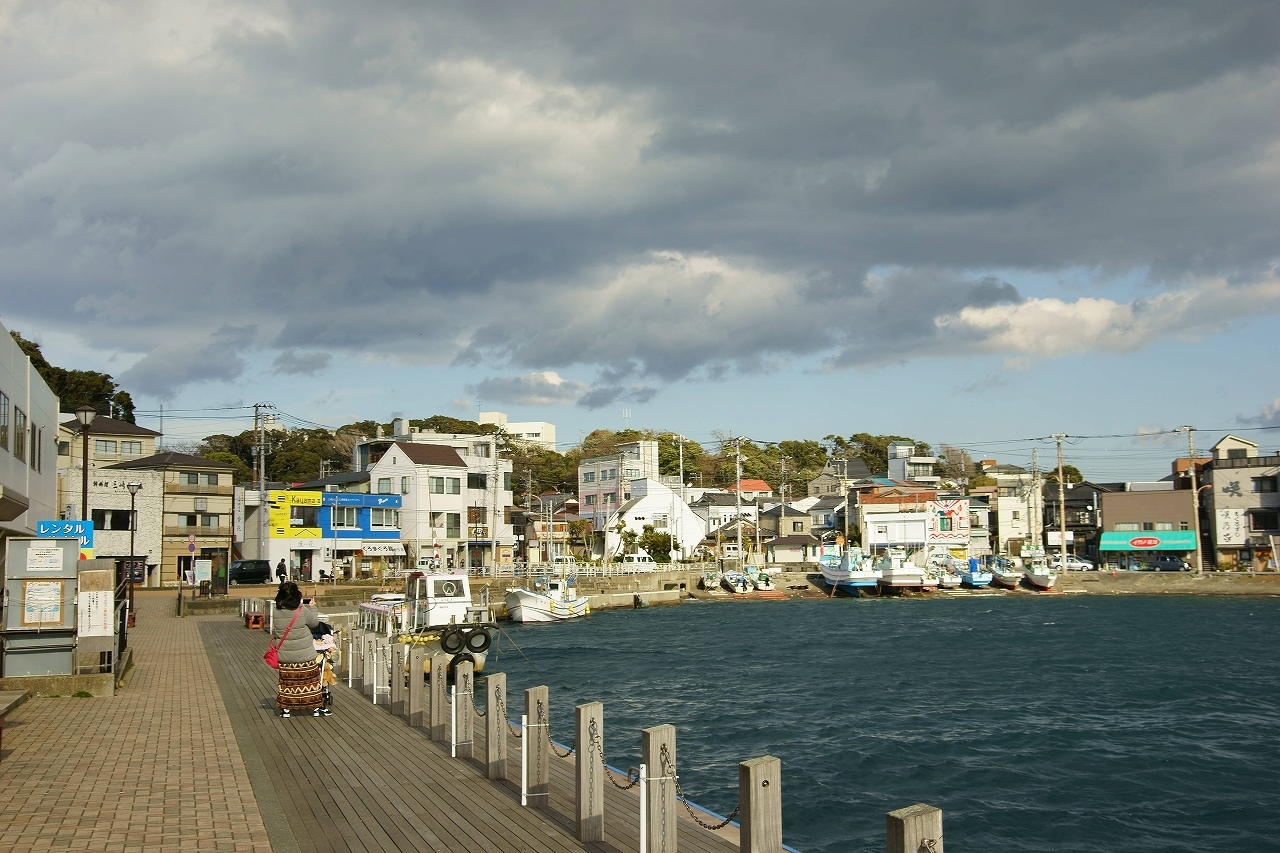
x=363 y=779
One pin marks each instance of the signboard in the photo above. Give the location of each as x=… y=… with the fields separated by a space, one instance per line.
x=204 y=570
x=382 y=548
x=44 y=558
x=82 y=530
x=1055 y=537
x=1149 y=540
x=93 y=613
x=1233 y=528
x=41 y=603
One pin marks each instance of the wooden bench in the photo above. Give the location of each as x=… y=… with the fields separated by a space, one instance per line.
x=9 y=699
x=255 y=620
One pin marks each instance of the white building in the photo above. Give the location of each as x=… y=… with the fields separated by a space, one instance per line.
x=906 y=466
x=537 y=433
x=28 y=453
x=604 y=482
x=1018 y=509
x=882 y=529
x=652 y=503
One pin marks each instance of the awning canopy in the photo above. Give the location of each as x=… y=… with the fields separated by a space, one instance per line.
x=1149 y=540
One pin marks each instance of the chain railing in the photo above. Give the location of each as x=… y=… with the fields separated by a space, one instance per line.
x=546 y=727
x=669 y=770
x=502 y=711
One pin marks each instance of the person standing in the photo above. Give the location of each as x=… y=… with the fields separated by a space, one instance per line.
x=281 y=572
x=300 y=689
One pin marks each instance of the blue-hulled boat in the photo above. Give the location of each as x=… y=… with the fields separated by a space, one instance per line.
x=852 y=572
x=973 y=575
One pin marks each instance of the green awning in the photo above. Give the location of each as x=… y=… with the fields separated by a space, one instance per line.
x=1149 y=540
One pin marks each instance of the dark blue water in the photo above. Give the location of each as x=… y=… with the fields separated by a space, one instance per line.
x=1050 y=724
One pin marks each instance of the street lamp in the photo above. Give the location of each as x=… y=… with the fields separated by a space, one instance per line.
x=85 y=414
x=133 y=527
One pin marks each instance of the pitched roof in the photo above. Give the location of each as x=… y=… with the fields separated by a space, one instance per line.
x=794 y=539
x=170 y=459
x=751 y=486
x=103 y=425
x=431 y=454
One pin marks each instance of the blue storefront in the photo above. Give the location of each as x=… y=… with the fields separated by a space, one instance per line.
x=361 y=533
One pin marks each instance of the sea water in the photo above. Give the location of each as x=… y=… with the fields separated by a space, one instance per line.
x=1036 y=723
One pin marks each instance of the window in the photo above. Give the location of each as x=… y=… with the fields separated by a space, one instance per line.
x=304 y=516
x=208 y=521
x=384 y=518
x=659 y=521
x=37 y=447
x=188 y=520
x=64 y=447
x=477 y=481
x=4 y=421
x=1148 y=525
x=131 y=448
x=944 y=523
x=19 y=434
x=404 y=485
x=588 y=476
x=435 y=485
x=1263 y=484
x=1184 y=525
x=1127 y=526
x=384 y=485
x=1164 y=525
x=506 y=481
x=1017 y=515
x=589 y=500
x=631 y=473
x=1269 y=520
x=453 y=485
x=345 y=517
x=104 y=445
x=797 y=527
x=882 y=529
x=480 y=449
x=111 y=519
x=610 y=498
x=452 y=525
x=191 y=478
x=209 y=479
x=1237 y=453
x=475 y=515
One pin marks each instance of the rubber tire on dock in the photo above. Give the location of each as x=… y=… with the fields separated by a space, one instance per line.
x=452 y=640
x=478 y=640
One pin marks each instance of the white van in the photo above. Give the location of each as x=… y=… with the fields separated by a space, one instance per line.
x=565 y=560
x=641 y=562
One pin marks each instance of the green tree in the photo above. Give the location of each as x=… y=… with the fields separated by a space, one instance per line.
x=1070 y=474
x=658 y=545
x=76 y=388
x=242 y=474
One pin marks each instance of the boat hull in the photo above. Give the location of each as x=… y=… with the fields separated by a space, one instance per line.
x=1040 y=581
x=526 y=607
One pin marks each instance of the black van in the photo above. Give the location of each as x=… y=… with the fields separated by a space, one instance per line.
x=250 y=571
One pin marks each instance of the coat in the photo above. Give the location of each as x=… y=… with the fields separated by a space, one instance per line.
x=298 y=646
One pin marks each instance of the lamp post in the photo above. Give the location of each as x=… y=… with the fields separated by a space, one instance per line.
x=133 y=527
x=85 y=414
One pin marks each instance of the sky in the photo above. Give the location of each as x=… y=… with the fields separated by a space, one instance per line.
x=978 y=223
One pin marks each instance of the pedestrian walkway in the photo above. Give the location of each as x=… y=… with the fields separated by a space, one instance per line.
x=155 y=767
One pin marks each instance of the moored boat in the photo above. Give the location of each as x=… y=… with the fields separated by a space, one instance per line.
x=973 y=575
x=735 y=581
x=852 y=572
x=897 y=572
x=549 y=600
x=711 y=580
x=1036 y=569
x=435 y=611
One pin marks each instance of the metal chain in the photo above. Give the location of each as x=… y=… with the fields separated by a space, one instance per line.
x=542 y=718
x=931 y=844
x=680 y=794
x=632 y=781
x=502 y=711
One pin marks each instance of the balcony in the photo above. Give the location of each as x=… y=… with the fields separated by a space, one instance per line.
x=189 y=489
x=199 y=532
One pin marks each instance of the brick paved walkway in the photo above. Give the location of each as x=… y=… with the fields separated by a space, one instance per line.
x=154 y=768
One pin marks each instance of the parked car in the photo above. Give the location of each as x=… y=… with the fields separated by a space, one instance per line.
x=1168 y=563
x=249 y=571
x=1072 y=564
x=639 y=562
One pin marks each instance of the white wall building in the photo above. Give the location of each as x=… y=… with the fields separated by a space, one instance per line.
x=655 y=504
x=604 y=482
x=28 y=449
x=906 y=466
x=882 y=529
x=537 y=433
x=1018 y=511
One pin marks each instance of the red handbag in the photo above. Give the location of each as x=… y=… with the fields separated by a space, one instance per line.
x=272 y=655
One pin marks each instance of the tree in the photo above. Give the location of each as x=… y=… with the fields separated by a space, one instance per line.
x=657 y=545
x=871 y=449
x=242 y=474
x=955 y=464
x=76 y=388
x=1070 y=474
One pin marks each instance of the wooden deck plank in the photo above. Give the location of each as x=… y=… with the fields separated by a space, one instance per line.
x=385 y=786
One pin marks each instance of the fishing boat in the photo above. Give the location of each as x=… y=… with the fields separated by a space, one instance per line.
x=735 y=581
x=435 y=611
x=1036 y=569
x=852 y=572
x=973 y=575
x=1005 y=574
x=711 y=580
x=898 y=572
x=762 y=582
x=550 y=599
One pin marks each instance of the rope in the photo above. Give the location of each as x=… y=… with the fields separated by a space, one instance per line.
x=931 y=844
x=542 y=718
x=684 y=799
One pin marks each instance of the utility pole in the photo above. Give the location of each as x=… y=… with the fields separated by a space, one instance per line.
x=259 y=427
x=1195 y=495
x=1062 y=515
x=683 y=501
x=737 y=494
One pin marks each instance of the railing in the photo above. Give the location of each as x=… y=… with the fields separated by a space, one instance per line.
x=189 y=489
x=198 y=532
x=586 y=570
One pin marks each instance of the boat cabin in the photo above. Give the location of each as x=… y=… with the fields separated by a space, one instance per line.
x=429 y=601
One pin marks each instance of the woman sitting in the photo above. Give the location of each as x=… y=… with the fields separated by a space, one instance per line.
x=300 y=688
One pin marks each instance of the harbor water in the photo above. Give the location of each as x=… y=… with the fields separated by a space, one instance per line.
x=1046 y=723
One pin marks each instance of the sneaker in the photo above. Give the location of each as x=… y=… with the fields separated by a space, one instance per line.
x=325 y=712
x=285 y=713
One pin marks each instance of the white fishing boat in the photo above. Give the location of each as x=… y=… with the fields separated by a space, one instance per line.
x=897 y=572
x=548 y=599
x=762 y=582
x=736 y=582
x=711 y=580
x=435 y=611
x=852 y=572
x=1036 y=569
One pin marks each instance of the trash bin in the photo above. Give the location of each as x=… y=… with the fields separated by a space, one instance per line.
x=204 y=588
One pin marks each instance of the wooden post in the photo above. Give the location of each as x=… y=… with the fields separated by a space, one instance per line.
x=589 y=740
x=760 y=792
x=438 y=707
x=417 y=687
x=658 y=751
x=399 y=658
x=381 y=675
x=538 y=709
x=913 y=829
x=357 y=659
x=496 y=720
x=463 y=679
x=370 y=676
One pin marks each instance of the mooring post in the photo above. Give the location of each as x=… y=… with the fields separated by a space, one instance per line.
x=589 y=744
x=465 y=709
x=398 y=659
x=355 y=677
x=760 y=793
x=658 y=751
x=417 y=687
x=496 y=725
x=537 y=745
x=913 y=829
x=382 y=670
x=370 y=671
x=438 y=707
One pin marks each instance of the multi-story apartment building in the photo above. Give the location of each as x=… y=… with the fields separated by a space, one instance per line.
x=534 y=433
x=1143 y=519
x=28 y=421
x=905 y=465
x=604 y=482
x=1018 y=509
x=457 y=497
x=1241 y=491
x=110 y=441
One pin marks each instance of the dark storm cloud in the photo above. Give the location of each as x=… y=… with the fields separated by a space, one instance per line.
x=293 y=363
x=658 y=190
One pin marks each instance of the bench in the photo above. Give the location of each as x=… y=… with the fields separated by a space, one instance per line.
x=9 y=699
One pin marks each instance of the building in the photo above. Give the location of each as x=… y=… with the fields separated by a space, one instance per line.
x=1018 y=509
x=1082 y=508
x=604 y=482
x=543 y=530
x=838 y=476
x=717 y=509
x=110 y=441
x=1140 y=521
x=905 y=465
x=535 y=433
x=127 y=524
x=655 y=505
x=28 y=452
x=752 y=489
x=457 y=497
x=1241 y=504
x=197 y=510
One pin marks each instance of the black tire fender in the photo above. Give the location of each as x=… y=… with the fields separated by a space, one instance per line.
x=464 y=657
x=478 y=640
x=452 y=640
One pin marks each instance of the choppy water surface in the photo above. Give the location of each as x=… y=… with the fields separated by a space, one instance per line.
x=1047 y=724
